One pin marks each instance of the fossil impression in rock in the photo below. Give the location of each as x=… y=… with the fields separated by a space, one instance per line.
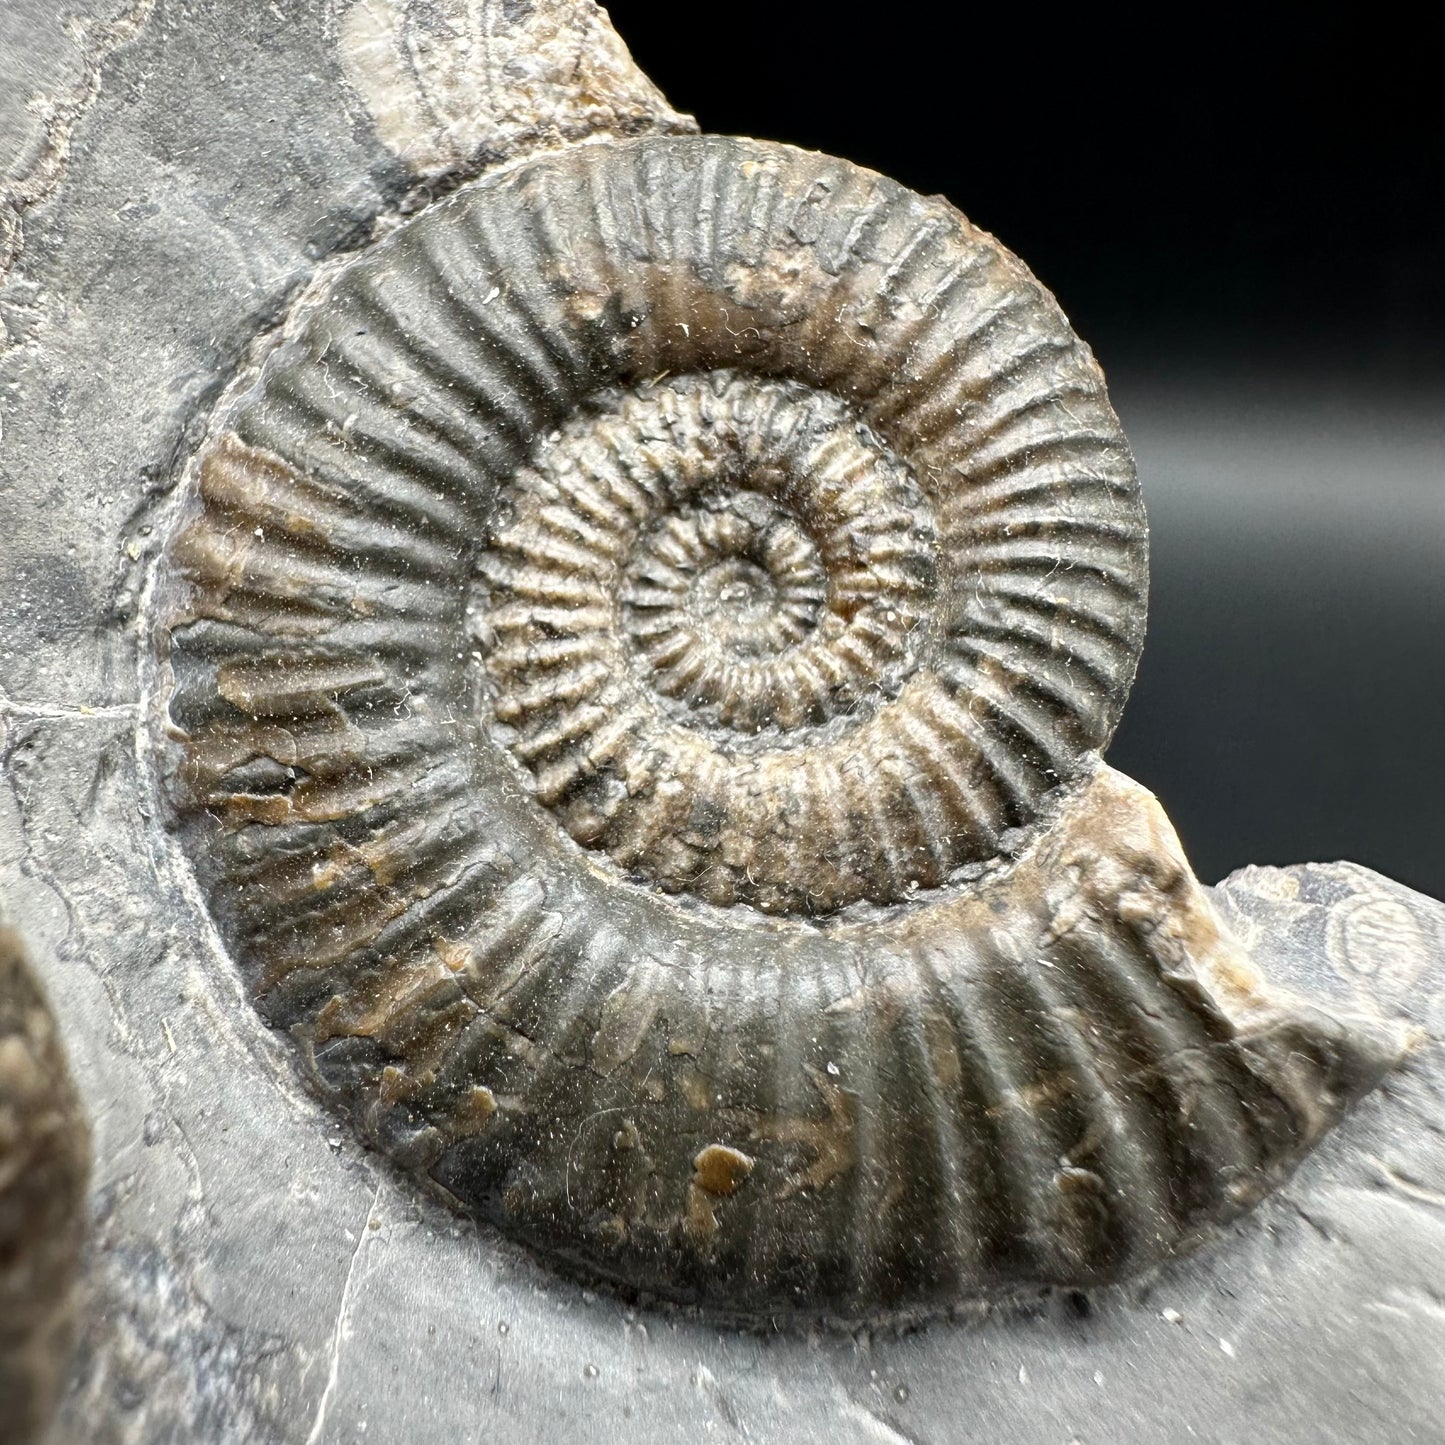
x=44 y=1171
x=632 y=671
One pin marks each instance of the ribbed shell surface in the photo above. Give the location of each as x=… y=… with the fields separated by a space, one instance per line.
x=611 y=657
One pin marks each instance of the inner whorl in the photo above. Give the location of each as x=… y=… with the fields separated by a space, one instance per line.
x=640 y=367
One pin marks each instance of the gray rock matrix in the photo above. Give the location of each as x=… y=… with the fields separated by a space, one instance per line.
x=254 y=1274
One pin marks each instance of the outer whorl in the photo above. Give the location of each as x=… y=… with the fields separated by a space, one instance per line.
x=635 y=665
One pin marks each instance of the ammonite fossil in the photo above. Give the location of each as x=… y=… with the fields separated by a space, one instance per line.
x=44 y=1171
x=633 y=669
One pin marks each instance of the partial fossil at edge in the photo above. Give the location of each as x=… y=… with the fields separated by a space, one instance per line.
x=44 y=1171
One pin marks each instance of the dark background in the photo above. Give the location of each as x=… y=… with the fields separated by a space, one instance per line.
x=1243 y=212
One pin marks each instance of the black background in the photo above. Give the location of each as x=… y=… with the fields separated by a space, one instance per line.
x=1243 y=213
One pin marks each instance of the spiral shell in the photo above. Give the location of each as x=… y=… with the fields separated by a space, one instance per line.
x=636 y=662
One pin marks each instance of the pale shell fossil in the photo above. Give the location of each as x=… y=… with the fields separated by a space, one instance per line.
x=635 y=665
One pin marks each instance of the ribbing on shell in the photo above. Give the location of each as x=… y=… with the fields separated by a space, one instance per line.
x=612 y=655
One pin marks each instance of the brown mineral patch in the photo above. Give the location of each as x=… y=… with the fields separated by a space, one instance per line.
x=294 y=687
x=695 y=1088
x=720 y=1169
x=831 y=1139
x=942 y=1045
x=247 y=481
x=472 y=1111
x=1035 y=1096
x=612 y=1230
x=455 y=955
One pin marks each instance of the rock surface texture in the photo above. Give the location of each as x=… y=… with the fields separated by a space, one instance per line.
x=255 y=1272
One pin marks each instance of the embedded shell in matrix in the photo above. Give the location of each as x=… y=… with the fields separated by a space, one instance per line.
x=631 y=673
